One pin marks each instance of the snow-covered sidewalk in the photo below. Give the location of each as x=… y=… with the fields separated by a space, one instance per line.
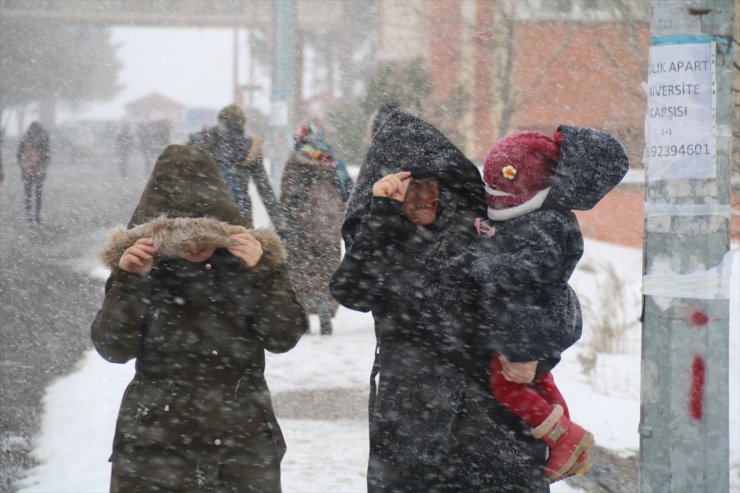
x=80 y=409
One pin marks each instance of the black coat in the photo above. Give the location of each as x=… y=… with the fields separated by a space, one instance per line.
x=532 y=312
x=433 y=424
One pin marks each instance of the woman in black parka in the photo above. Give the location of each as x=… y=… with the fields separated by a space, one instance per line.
x=433 y=424
x=196 y=299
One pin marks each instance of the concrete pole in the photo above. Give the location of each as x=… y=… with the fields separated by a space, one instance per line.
x=684 y=425
x=282 y=86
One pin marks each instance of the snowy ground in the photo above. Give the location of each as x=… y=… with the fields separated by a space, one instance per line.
x=331 y=456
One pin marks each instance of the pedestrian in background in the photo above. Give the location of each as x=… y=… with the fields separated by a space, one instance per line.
x=196 y=299
x=34 y=154
x=152 y=137
x=123 y=149
x=314 y=191
x=239 y=158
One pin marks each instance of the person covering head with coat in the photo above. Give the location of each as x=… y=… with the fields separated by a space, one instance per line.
x=196 y=299
x=239 y=159
x=529 y=248
x=434 y=426
x=33 y=156
x=315 y=187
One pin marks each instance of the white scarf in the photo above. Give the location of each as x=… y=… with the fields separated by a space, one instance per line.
x=518 y=210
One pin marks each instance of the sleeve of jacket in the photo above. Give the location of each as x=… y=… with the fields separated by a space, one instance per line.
x=358 y=283
x=265 y=190
x=116 y=331
x=279 y=319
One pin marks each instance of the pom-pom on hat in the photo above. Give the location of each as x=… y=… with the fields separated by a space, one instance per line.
x=519 y=165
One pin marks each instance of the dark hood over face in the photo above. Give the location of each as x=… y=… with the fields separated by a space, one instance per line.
x=406 y=143
x=591 y=164
x=185 y=182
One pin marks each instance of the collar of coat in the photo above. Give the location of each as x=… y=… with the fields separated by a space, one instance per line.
x=173 y=234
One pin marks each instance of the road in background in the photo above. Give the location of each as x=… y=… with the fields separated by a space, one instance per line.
x=47 y=298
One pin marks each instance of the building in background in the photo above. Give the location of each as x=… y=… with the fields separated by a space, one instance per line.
x=501 y=66
x=153 y=107
x=158 y=122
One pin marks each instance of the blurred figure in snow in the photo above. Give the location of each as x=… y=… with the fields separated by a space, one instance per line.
x=153 y=136
x=239 y=158
x=34 y=154
x=314 y=190
x=123 y=148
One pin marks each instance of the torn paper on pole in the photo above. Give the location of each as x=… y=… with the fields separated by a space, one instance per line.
x=709 y=284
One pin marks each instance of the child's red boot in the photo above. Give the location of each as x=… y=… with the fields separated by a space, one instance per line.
x=545 y=386
x=568 y=443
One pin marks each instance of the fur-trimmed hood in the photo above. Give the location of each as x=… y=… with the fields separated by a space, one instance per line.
x=171 y=235
x=185 y=182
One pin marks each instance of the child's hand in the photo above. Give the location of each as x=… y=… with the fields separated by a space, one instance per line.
x=139 y=257
x=522 y=373
x=393 y=186
x=249 y=249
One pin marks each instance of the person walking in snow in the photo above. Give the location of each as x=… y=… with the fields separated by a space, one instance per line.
x=33 y=156
x=529 y=248
x=314 y=190
x=434 y=426
x=239 y=158
x=123 y=148
x=196 y=299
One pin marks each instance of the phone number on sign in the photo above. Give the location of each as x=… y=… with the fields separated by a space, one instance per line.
x=679 y=150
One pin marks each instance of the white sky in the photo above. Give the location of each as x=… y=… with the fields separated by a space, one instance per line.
x=189 y=65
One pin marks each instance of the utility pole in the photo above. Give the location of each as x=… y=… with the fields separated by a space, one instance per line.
x=283 y=22
x=684 y=423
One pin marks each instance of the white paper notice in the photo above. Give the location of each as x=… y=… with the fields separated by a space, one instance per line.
x=679 y=127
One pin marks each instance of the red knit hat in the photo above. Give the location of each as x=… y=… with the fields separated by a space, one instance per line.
x=520 y=164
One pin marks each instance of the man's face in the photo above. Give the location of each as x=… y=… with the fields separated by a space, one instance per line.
x=421 y=200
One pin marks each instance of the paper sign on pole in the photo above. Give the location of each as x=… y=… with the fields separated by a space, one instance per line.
x=679 y=126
